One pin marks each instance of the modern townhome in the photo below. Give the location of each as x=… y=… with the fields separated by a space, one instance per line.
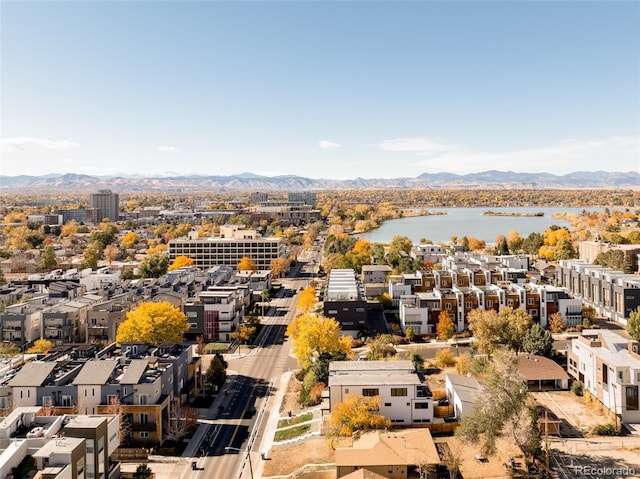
x=405 y=397
x=344 y=301
x=467 y=282
x=216 y=312
x=375 y=278
x=63 y=447
x=613 y=294
x=608 y=366
x=233 y=244
x=389 y=454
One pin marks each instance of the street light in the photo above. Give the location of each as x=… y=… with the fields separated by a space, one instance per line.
x=248 y=451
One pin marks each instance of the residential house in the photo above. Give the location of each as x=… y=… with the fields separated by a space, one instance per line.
x=405 y=398
x=375 y=278
x=462 y=392
x=391 y=454
x=344 y=302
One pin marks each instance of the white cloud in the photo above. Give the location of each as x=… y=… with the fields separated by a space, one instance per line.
x=30 y=143
x=166 y=149
x=618 y=153
x=328 y=145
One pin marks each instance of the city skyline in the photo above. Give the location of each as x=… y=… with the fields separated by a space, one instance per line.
x=319 y=89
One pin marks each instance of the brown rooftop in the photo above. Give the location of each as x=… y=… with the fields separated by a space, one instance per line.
x=536 y=368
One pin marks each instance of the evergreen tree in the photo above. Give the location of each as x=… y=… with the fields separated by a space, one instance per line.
x=538 y=341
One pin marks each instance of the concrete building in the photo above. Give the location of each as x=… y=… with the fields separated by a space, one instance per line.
x=589 y=251
x=229 y=249
x=405 y=398
x=375 y=278
x=107 y=205
x=608 y=366
x=461 y=392
x=217 y=312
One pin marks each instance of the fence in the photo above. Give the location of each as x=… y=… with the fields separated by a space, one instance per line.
x=130 y=454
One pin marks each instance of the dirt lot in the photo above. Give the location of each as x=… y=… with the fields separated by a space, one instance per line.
x=288 y=458
x=577 y=416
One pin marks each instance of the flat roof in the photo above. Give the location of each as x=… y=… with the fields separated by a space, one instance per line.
x=59 y=445
x=86 y=422
x=408 y=379
x=403 y=364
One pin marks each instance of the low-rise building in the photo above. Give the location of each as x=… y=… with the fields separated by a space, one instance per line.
x=405 y=397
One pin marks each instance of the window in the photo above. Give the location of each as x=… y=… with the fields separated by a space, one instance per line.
x=66 y=401
x=112 y=399
x=632 y=398
x=510 y=302
x=47 y=401
x=144 y=418
x=489 y=303
x=144 y=434
x=620 y=375
x=143 y=399
x=530 y=301
x=387 y=404
x=90 y=445
x=421 y=405
x=447 y=306
x=605 y=374
x=398 y=392
x=371 y=392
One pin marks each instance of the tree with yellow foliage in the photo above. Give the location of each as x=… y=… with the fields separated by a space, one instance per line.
x=130 y=240
x=445 y=328
x=151 y=323
x=181 y=262
x=247 y=264
x=307 y=300
x=279 y=266
x=356 y=413
x=41 y=346
x=316 y=334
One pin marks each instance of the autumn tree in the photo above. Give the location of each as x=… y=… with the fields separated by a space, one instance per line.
x=153 y=266
x=247 y=264
x=356 y=413
x=444 y=359
x=557 y=324
x=41 y=346
x=633 y=325
x=381 y=347
x=307 y=300
x=244 y=334
x=515 y=323
x=151 y=323
x=486 y=327
x=181 y=262
x=48 y=259
x=130 y=240
x=279 y=266
x=515 y=241
x=316 y=334
x=69 y=229
x=111 y=252
x=445 y=328
x=8 y=350
x=92 y=254
x=588 y=315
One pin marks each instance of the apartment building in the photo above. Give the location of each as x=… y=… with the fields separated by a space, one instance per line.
x=216 y=312
x=608 y=366
x=405 y=397
x=613 y=294
x=107 y=205
x=228 y=249
x=344 y=302
x=375 y=278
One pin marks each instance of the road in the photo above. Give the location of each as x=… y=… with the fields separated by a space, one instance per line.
x=231 y=445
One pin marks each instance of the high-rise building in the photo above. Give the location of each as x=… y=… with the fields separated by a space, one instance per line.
x=106 y=203
x=308 y=197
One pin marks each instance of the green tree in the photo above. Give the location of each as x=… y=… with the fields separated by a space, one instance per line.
x=401 y=243
x=487 y=330
x=381 y=347
x=92 y=254
x=417 y=360
x=142 y=472
x=153 y=266
x=613 y=259
x=504 y=407
x=151 y=323
x=538 y=341
x=633 y=324
x=217 y=371
x=532 y=243
x=565 y=250
x=48 y=259
x=588 y=315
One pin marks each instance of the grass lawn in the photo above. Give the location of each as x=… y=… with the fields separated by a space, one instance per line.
x=284 y=434
x=213 y=348
x=295 y=420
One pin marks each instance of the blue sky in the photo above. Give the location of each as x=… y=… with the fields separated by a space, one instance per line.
x=319 y=89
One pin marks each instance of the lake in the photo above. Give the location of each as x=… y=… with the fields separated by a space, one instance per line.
x=469 y=222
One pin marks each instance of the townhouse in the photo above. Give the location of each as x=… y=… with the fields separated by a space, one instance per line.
x=405 y=397
x=344 y=301
x=216 y=312
x=608 y=366
x=612 y=293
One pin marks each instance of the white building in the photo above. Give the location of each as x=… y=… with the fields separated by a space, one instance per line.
x=413 y=316
x=461 y=392
x=405 y=398
x=609 y=367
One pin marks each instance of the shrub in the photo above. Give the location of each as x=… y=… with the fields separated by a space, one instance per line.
x=577 y=388
x=609 y=429
x=444 y=359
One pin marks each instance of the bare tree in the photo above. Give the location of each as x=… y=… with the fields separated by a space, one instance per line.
x=182 y=419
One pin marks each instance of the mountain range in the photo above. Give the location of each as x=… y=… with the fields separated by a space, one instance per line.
x=249 y=181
